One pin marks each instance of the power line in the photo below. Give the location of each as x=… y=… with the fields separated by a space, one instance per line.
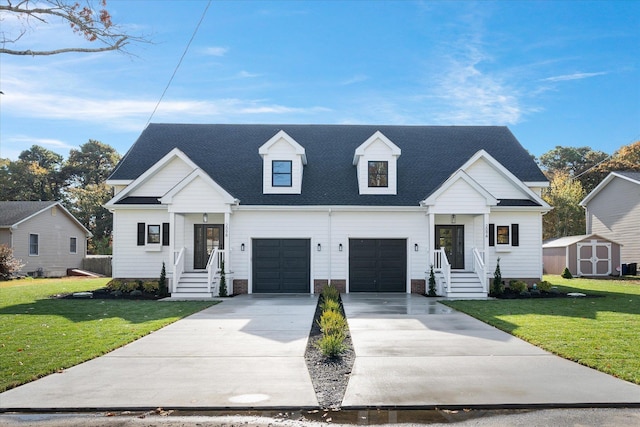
x=186 y=49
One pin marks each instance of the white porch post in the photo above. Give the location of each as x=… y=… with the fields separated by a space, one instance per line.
x=172 y=247
x=432 y=238
x=486 y=239
x=227 y=251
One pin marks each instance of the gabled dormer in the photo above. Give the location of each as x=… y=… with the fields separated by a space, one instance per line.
x=376 y=162
x=283 y=160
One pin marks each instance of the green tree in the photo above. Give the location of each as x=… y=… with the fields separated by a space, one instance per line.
x=36 y=175
x=91 y=164
x=567 y=217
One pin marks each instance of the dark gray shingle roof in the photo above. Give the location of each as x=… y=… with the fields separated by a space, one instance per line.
x=14 y=212
x=229 y=154
x=630 y=174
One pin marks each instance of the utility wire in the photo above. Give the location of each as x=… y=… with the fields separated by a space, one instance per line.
x=186 y=49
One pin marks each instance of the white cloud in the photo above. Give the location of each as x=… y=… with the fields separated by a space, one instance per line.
x=246 y=75
x=215 y=50
x=358 y=78
x=574 y=76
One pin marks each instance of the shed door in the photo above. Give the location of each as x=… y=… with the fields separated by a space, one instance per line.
x=594 y=258
x=377 y=265
x=281 y=265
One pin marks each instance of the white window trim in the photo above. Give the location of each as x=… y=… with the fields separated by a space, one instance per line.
x=502 y=247
x=76 y=245
x=38 y=247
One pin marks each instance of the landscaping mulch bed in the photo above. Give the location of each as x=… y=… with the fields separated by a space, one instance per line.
x=329 y=376
x=509 y=294
x=104 y=293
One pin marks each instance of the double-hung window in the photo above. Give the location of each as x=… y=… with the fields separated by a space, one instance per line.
x=378 y=174
x=34 y=244
x=73 y=245
x=281 y=173
x=153 y=234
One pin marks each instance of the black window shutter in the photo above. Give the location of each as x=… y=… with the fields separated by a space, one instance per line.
x=515 y=235
x=141 y=233
x=492 y=234
x=165 y=234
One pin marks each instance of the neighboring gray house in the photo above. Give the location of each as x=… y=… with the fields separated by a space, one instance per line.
x=613 y=211
x=44 y=236
x=587 y=255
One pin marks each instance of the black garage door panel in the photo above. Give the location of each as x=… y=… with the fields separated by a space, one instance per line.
x=281 y=265
x=377 y=265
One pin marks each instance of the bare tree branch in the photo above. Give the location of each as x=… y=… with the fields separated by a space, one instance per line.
x=91 y=22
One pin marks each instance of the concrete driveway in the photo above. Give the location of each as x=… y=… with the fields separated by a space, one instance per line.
x=245 y=352
x=413 y=351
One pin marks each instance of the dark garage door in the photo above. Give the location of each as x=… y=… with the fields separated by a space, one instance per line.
x=377 y=265
x=281 y=265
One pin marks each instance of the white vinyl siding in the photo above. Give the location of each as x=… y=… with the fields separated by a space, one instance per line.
x=282 y=151
x=377 y=151
x=460 y=198
x=164 y=179
x=493 y=181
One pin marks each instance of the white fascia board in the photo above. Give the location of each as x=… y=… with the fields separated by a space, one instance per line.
x=540 y=184
x=113 y=182
x=300 y=151
x=138 y=207
x=150 y=172
x=325 y=208
x=543 y=209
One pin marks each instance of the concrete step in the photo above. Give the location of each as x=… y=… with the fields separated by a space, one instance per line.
x=191 y=295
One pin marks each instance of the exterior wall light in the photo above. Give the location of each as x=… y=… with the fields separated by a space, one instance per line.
x=340 y=247
x=453 y=219
x=205 y=217
x=242 y=247
x=319 y=247
x=415 y=247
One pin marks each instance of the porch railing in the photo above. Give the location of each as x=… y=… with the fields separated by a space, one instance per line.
x=441 y=264
x=214 y=266
x=480 y=268
x=178 y=268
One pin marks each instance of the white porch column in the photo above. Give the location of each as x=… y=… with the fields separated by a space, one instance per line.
x=432 y=238
x=227 y=250
x=486 y=239
x=172 y=248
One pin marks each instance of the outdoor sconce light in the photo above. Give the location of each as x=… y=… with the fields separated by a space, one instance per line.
x=319 y=247
x=242 y=247
x=205 y=217
x=415 y=247
x=340 y=247
x=453 y=219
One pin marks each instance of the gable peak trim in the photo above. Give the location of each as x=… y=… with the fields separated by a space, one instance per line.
x=300 y=151
x=377 y=136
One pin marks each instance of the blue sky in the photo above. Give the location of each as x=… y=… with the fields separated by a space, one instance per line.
x=555 y=72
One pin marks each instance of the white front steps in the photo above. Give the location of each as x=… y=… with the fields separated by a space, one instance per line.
x=465 y=284
x=192 y=284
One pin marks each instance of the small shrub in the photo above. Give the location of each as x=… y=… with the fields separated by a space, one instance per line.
x=432 y=283
x=566 y=274
x=150 y=286
x=544 y=286
x=518 y=286
x=223 y=281
x=8 y=264
x=332 y=345
x=120 y=286
x=497 y=288
x=330 y=305
x=162 y=283
x=332 y=322
x=330 y=292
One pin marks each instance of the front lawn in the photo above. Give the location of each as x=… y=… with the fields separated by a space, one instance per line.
x=601 y=332
x=40 y=335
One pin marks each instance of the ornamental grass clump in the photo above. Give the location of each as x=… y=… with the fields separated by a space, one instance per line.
x=332 y=323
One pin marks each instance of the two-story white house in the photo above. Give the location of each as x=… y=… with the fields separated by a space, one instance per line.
x=289 y=208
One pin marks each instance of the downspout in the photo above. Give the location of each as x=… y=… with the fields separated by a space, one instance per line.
x=330 y=249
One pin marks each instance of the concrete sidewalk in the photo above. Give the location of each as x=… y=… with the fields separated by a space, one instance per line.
x=246 y=352
x=413 y=351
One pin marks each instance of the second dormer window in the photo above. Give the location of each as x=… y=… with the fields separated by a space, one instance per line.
x=378 y=174
x=281 y=173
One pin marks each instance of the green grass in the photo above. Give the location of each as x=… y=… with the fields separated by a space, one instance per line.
x=602 y=333
x=40 y=335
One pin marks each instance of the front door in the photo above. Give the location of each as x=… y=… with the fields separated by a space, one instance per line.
x=205 y=238
x=451 y=238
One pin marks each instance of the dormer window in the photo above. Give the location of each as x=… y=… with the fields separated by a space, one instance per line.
x=378 y=174
x=281 y=170
x=376 y=162
x=283 y=161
